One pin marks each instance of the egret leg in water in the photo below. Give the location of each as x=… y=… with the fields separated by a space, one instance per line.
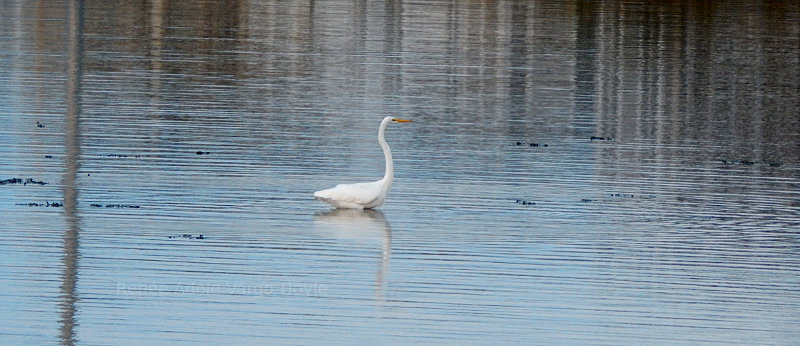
x=364 y=195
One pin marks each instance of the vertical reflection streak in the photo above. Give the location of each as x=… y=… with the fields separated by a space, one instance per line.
x=586 y=62
x=72 y=154
x=392 y=83
x=156 y=44
x=518 y=56
x=386 y=255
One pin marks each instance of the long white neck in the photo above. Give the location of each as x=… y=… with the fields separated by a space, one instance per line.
x=389 y=175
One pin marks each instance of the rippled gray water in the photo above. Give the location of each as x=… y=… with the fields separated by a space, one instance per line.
x=612 y=172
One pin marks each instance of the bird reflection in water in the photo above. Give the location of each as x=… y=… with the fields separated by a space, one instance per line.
x=362 y=226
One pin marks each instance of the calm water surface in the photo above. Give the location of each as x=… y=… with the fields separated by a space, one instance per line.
x=602 y=172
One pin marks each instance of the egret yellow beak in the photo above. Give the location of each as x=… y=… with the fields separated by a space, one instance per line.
x=402 y=120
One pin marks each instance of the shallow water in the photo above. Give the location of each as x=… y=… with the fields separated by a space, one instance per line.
x=575 y=173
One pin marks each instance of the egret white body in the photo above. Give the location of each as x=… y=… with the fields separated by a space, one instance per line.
x=364 y=195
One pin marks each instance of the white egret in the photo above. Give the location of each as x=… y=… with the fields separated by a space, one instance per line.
x=364 y=195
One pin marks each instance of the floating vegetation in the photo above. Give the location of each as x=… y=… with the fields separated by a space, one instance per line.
x=601 y=138
x=96 y=205
x=45 y=204
x=21 y=181
x=187 y=236
x=525 y=202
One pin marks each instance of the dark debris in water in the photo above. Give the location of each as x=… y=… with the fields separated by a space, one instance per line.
x=614 y=196
x=520 y=143
x=737 y=162
x=626 y=195
x=601 y=138
x=39 y=124
x=97 y=205
x=124 y=156
x=21 y=181
x=187 y=236
x=525 y=202
x=751 y=163
x=202 y=152
x=45 y=204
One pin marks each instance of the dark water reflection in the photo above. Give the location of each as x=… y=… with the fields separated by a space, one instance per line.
x=74 y=70
x=583 y=172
